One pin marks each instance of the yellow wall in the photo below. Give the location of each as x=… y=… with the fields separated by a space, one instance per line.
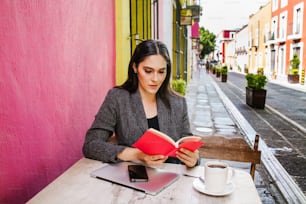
x=182 y=45
x=126 y=29
x=179 y=51
x=188 y=68
x=173 y=51
x=259 y=21
x=123 y=47
x=141 y=20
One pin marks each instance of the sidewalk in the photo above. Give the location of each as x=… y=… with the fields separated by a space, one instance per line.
x=298 y=87
x=209 y=116
x=207 y=112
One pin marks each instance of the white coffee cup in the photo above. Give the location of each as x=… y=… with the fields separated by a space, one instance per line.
x=217 y=174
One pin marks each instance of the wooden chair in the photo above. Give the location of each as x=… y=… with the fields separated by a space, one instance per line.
x=231 y=149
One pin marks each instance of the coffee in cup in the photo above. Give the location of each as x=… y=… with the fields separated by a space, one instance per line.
x=216 y=176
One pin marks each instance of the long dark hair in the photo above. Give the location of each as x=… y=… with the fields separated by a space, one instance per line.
x=143 y=50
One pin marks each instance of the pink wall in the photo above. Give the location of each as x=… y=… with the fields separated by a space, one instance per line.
x=57 y=63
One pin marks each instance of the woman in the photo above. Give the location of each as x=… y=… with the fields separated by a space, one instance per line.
x=145 y=100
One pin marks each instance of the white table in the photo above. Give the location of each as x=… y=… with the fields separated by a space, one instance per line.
x=76 y=186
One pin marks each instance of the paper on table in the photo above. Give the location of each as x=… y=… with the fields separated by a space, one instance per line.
x=196 y=171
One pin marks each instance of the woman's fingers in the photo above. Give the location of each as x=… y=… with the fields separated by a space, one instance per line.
x=154 y=160
x=189 y=158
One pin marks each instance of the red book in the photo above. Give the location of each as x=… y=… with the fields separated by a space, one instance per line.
x=154 y=142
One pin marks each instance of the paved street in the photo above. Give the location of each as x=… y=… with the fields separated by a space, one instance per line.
x=210 y=116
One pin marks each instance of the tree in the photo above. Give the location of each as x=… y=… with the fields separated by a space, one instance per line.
x=208 y=42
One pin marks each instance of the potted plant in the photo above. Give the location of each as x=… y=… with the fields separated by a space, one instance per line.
x=293 y=75
x=218 y=74
x=224 y=73
x=260 y=70
x=246 y=70
x=179 y=86
x=214 y=70
x=273 y=75
x=255 y=92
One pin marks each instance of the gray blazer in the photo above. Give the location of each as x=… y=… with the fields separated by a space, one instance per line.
x=122 y=113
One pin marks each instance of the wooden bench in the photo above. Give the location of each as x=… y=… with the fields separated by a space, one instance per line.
x=231 y=149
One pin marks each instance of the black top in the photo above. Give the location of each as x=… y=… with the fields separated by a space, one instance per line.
x=153 y=123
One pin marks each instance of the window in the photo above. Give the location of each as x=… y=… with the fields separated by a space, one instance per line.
x=283 y=25
x=296 y=50
x=250 y=42
x=274 y=5
x=256 y=43
x=298 y=18
x=274 y=28
x=273 y=60
x=284 y=3
x=282 y=59
x=266 y=31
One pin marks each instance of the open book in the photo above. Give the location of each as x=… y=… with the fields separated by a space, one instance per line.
x=154 y=142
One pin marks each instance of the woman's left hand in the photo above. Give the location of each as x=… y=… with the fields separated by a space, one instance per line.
x=188 y=157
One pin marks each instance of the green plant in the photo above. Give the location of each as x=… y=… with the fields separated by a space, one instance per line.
x=179 y=85
x=214 y=69
x=256 y=81
x=295 y=62
x=207 y=42
x=224 y=70
x=246 y=70
x=273 y=75
x=260 y=70
x=294 y=71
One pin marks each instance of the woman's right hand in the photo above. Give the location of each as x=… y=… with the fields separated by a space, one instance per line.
x=152 y=160
x=129 y=154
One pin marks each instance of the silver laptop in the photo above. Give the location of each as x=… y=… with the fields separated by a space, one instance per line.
x=118 y=173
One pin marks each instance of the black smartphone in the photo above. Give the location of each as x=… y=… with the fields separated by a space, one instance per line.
x=138 y=173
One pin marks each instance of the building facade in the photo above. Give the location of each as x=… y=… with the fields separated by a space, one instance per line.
x=241 y=49
x=276 y=32
x=287 y=37
x=258 y=28
x=223 y=52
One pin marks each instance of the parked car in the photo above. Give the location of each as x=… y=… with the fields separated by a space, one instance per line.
x=213 y=62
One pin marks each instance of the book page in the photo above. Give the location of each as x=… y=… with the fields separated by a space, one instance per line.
x=190 y=142
x=163 y=135
x=188 y=139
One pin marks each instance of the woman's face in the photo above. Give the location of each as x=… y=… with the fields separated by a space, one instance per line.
x=151 y=73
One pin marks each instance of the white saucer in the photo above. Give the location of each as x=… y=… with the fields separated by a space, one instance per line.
x=200 y=186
